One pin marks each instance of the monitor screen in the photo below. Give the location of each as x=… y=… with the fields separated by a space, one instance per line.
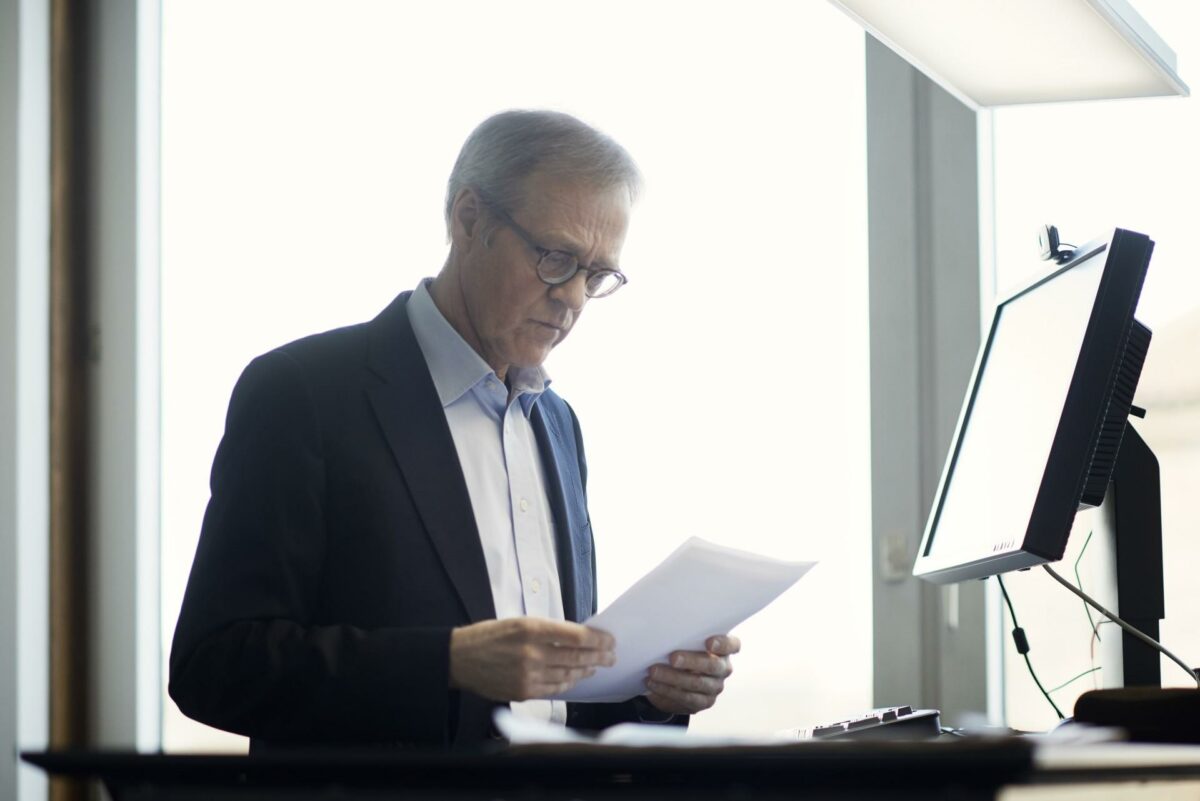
x=1026 y=435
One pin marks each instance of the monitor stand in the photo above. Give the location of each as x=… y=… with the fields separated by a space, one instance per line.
x=1142 y=707
x=1137 y=508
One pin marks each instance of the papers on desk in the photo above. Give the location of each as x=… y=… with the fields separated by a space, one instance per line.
x=529 y=731
x=700 y=590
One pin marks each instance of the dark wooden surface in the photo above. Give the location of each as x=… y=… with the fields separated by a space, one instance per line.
x=944 y=769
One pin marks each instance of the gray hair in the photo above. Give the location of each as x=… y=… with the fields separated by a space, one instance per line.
x=508 y=147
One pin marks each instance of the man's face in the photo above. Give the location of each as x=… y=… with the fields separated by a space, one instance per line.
x=517 y=318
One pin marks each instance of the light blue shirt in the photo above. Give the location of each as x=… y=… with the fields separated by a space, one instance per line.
x=503 y=469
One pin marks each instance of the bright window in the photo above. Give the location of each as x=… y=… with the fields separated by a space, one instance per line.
x=306 y=147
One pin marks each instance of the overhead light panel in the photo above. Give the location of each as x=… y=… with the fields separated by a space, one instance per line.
x=1006 y=52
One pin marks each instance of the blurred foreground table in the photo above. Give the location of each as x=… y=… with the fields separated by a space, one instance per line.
x=949 y=768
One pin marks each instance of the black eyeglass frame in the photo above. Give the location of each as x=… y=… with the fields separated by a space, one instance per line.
x=543 y=252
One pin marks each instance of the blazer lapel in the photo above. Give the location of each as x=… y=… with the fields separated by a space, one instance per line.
x=415 y=427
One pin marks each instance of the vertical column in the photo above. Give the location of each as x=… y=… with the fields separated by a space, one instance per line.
x=923 y=211
x=24 y=390
x=997 y=636
x=122 y=176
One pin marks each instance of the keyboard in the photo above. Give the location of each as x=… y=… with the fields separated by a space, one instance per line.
x=889 y=723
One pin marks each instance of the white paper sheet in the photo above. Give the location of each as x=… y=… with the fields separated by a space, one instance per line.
x=530 y=731
x=700 y=590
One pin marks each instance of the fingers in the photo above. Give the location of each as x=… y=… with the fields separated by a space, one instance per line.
x=600 y=640
x=693 y=679
x=677 y=700
x=561 y=656
x=565 y=633
x=705 y=663
x=555 y=656
x=543 y=690
x=568 y=645
x=537 y=660
x=544 y=682
x=723 y=645
x=567 y=676
x=521 y=658
x=664 y=676
x=550 y=681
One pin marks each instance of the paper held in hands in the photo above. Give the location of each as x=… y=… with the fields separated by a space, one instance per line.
x=700 y=590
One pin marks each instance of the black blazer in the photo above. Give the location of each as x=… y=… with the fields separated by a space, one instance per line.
x=339 y=549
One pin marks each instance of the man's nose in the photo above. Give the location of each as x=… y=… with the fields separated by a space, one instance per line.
x=572 y=293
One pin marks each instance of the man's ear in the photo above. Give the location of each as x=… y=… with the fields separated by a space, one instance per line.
x=465 y=216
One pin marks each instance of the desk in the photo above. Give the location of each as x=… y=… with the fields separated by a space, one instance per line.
x=953 y=770
x=945 y=769
x=1110 y=772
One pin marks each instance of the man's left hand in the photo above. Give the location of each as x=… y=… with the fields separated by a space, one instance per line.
x=693 y=679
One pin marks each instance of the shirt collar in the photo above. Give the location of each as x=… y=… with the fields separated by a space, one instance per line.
x=454 y=365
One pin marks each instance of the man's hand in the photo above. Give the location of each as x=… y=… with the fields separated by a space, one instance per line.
x=519 y=658
x=694 y=679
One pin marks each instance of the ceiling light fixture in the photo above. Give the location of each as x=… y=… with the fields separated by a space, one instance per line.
x=1006 y=52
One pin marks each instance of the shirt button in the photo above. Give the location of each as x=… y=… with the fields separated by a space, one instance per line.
x=535 y=585
x=524 y=505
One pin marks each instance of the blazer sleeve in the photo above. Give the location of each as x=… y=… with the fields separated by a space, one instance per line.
x=247 y=655
x=636 y=710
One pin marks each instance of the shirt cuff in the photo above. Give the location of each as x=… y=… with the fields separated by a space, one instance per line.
x=648 y=712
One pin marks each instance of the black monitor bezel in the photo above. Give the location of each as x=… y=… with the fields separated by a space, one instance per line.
x=1092 y=384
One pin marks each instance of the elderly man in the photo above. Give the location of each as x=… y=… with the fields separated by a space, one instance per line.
x=398 y=538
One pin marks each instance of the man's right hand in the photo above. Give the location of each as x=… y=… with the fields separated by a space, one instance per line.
x=520 y=658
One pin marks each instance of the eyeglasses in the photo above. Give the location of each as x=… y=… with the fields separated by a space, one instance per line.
x=557 y=267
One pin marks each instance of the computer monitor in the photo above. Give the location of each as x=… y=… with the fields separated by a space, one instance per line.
x=1044 y=416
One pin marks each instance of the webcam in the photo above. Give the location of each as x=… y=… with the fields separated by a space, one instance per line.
x=1050 y=246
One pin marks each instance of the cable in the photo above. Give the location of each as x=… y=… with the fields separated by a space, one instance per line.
x=1134 y=632
x=1074 y=679
x=1023 y=648
x=1092 y=645
x=1087 y=610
